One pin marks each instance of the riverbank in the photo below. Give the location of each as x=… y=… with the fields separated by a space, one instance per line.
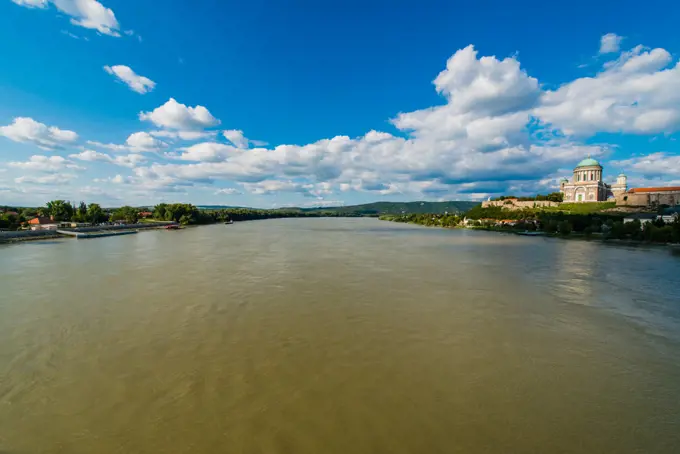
x=91 y=232
x=570 y=235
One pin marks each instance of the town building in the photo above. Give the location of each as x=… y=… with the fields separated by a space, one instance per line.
x=43 y=223
x=587 y=184
x=643 y=218
x=671 y=214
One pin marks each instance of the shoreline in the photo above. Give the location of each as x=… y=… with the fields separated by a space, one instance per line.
x=673 y=247
x=33 y=235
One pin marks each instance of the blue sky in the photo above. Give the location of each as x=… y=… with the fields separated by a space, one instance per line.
x=267 y=103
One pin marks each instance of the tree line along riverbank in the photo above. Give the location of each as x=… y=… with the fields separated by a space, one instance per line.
x=598 y=223
x=17 y=218
x=584 y=220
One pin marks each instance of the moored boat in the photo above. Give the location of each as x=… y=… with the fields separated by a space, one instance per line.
x=528 y=233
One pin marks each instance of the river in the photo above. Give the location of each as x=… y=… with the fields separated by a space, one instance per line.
x=311 y=336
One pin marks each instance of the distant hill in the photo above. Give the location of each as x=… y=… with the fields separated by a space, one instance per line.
x=376 y=208
x=217 y=207
x=379 y=208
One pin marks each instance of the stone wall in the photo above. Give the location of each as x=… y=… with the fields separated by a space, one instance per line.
x=648 y=199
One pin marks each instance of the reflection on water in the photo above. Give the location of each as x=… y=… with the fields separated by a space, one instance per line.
x=337 y=336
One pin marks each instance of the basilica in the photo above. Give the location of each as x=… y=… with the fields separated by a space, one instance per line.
x=587 y=185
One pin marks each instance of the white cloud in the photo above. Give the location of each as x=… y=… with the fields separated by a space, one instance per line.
x=635 y=94
x=97 y=192
x=610 y=43
x=143 y=141
x=90 y=14
x=480 y=134
x=46 y=164
x=495 y=131
x=32 y=3
x=28 y=130
x=108 y=146
x=137 y=83
x=653 y=165
x=130 y=160
x=208 y=152
x=138 y=142
x=275 y=186
x=91 y=155
x=184 y=135
x=173 y=115
x=52 y=179
x=236 y=137
x=486 y=85
x=145 y=179
x=228 y=191
x=84 y=13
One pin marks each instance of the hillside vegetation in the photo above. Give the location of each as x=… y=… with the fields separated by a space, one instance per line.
x=374 y=209
x=380 y=208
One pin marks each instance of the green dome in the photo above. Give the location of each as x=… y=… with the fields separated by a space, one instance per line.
x=588 y=162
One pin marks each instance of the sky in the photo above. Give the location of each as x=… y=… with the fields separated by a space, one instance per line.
x=308 y=103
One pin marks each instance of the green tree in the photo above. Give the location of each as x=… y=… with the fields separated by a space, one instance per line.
x=617 y=231
x=82 y=211
x=59 y=210
x=95 y=214
x=565 y=228
x=551 y=226
x=159 y=211
x=125 y=213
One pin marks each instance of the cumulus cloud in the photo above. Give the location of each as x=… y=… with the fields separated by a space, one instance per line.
x=486 y=85
x=84 y=13
x=173 y=115
x=145 y=179
x=28 y=130
x=274 y=186
x=143 y=141
x=52 y=179
x=184 y=135
x=91 y=156
x=228 y=191
x=46 y=164
x=479 y=136
x=496 y=130
x=638 y=93
x=32 y=3
x=130 y=160
x=138 y=142
x=108 y=146
x=207 y=152
x=90 y=14
x=137 y=83
x=610 y=43
x=653 y=165
x=236 y=137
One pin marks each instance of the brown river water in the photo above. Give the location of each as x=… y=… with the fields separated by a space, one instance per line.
x=356 y=336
